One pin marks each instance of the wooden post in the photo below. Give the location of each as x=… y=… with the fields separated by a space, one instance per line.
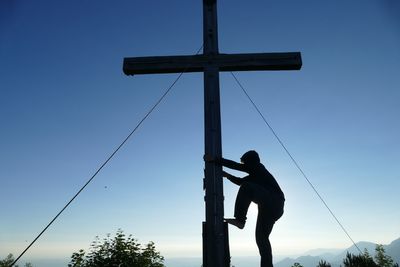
x=211 y=62
x=215 y=236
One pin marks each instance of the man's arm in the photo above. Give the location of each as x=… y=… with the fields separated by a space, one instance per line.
x=226 y=163
x=233 y=179
x=232 y=165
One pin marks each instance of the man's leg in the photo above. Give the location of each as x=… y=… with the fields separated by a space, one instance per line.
x=243 y=200
x=263 y=230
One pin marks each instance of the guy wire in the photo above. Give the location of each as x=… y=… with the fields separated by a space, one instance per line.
x=293 y=160
x=107 y=160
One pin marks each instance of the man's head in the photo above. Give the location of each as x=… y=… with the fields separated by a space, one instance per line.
x=250 y=158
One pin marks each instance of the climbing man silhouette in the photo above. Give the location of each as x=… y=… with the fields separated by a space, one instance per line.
x=260 y=187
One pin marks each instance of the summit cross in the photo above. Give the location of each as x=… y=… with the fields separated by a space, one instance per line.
x=211 y=62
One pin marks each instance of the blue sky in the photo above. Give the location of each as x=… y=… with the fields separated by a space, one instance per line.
x=65 y=105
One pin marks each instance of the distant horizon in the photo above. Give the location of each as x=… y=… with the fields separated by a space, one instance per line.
x=180 y=261
x=65 y=105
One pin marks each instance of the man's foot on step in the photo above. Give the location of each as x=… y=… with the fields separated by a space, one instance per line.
x=235 y=222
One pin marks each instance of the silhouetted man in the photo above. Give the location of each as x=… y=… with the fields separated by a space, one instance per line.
x=260 y=187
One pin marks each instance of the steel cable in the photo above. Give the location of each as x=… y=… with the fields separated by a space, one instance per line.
x=293 y=160
x=107 y=160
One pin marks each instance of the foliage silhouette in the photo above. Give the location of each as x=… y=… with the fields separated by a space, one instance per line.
x=365 y=260
x=323 y=263
x=361 y=260
x=381 y=258
x=119 y=251
x=9 y=260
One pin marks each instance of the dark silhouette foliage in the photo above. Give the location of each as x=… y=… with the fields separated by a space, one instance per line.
x=361 y=260
x=323 y=263
x=7 y=261
x=119 y=251
x=365 y=260
x=381 y=259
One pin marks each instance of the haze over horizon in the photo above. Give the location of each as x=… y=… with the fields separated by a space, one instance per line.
x=332 y=256
x=65 y=105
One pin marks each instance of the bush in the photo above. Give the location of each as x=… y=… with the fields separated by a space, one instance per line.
x=362 y=260
x=323 y=264
x=10 y=259
x=120 y=251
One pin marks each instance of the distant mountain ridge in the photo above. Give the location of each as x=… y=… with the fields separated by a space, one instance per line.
x=336 y=259
x=310 y=259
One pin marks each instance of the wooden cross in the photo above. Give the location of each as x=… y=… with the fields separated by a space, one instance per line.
x=211 y=62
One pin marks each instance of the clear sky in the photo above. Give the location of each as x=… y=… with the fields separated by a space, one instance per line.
x=65 y=105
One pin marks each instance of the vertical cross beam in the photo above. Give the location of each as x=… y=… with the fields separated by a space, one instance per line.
x=214 y=235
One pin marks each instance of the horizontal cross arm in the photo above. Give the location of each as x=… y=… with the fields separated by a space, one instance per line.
x=225 y=62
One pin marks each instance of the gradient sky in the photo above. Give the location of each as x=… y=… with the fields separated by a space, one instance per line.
x=65 y=105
